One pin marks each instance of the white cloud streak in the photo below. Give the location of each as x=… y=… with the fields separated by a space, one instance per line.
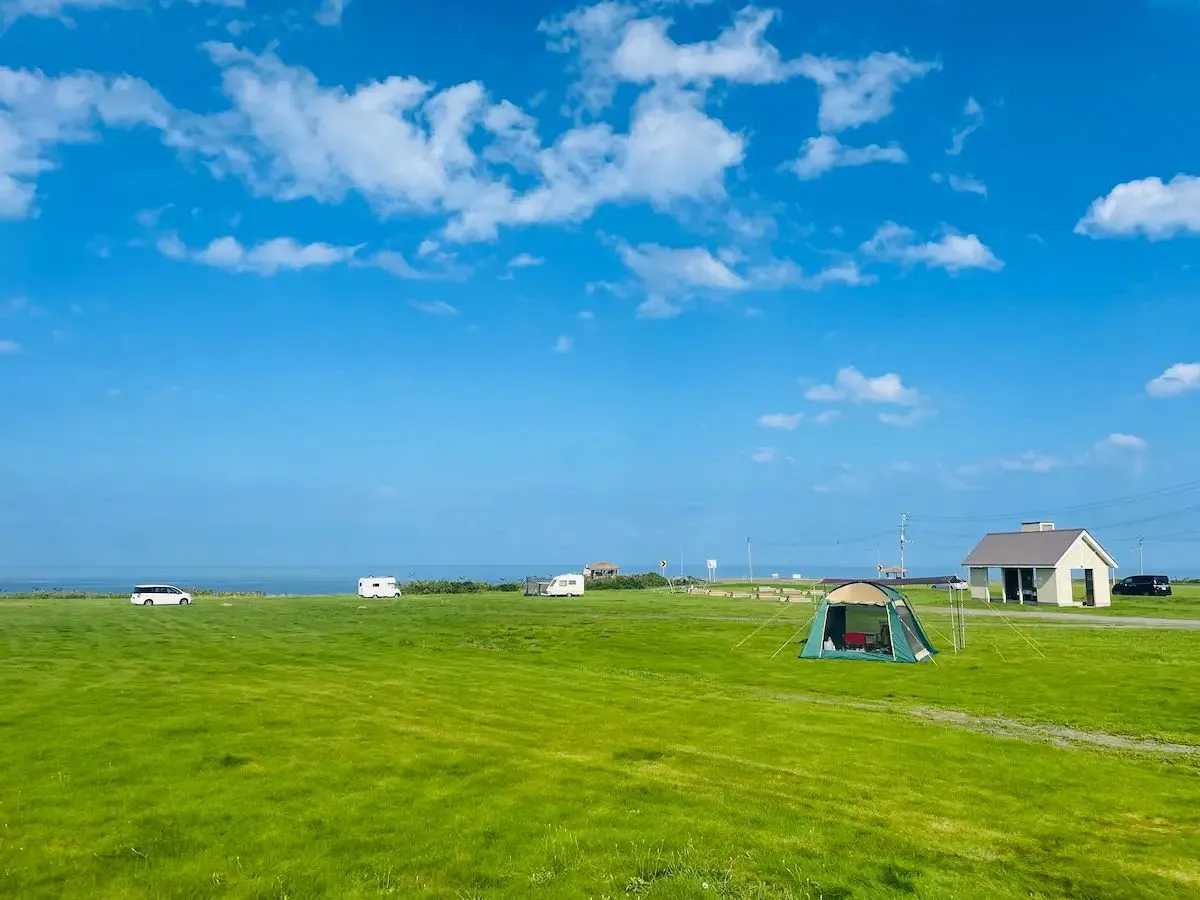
x=1181 y=378
x=952 y=252
x=1149 y=208
x=824 y=153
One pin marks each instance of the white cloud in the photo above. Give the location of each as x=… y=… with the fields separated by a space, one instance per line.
x=851 y=384
x=15 y=305
x=266 y=259
x=763 y=455
x=824 y=153
x=739 y=54
x=394 y=263
x=782 y=421
x=1177 y=379
x=613 y=42
x=1149 y=207
x=655 y=306
x=8 y=347
x=587 y=315
x=1118 y=448
x=953 y=252
x=426 y=248
x=564 y=344
x=673 y=152
x=1120 y=441
x=148 y=218
x=963 y=184
x=408 y=149
x=615 y=289
x=671 y=274
x=433 y=307
x=11 y=10
x=524 y=260
x=843 y=482
x=1030 y=461
x=903 y=467
x=330 y=12
x=780 y=273
x=906 y=419
x=671 y=269
x=968 y=184
x=752 y=227
x=826 y=416
x=38 y=113
x=974 y=121
x=856 y=92
x=846 y=273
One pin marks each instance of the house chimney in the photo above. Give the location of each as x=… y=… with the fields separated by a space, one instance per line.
x=1037 y=526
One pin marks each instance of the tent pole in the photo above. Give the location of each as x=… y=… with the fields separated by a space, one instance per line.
x=962 y=618
x=950 y=592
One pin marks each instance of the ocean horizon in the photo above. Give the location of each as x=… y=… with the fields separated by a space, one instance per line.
x=343 y=579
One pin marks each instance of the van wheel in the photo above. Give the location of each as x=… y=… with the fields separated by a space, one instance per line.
x=147 y=603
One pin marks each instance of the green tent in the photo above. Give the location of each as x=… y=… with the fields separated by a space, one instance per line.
x=867 y=620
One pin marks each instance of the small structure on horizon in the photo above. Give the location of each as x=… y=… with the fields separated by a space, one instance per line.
x=1036 y=565
x=891 y=571
x=601 y=570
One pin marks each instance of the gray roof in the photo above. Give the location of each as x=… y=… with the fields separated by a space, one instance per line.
x=1023 y=548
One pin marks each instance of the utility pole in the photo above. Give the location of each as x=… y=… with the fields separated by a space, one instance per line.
x=750 y=559
x=1141 y=566
x=903 y=541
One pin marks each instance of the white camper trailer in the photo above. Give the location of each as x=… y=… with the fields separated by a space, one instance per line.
x=569 y=585
x=377 y=587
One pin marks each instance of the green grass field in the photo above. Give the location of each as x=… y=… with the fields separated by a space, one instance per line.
x=615 y=745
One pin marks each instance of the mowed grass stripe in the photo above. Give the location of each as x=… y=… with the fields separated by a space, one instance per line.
x=306 y=748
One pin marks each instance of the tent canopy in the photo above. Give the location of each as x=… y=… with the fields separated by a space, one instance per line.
x=867 y=620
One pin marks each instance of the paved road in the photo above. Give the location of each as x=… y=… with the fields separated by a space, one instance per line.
x=1080 y=618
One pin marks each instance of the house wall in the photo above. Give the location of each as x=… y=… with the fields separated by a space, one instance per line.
x=1082 y=556
x=978 y=579
x=1053 y=586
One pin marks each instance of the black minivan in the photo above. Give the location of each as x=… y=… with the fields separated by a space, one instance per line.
x=1143 y=586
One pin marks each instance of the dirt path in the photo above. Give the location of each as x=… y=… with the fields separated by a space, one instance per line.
x=1012 y=729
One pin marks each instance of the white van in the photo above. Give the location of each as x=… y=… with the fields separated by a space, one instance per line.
x=569 y=585
x=378 y=587
x=150 y=594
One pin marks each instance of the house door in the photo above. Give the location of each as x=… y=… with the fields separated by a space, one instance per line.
x=1012 y=590
x=1089 y=588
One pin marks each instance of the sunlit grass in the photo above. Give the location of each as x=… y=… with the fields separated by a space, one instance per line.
x=497 y=746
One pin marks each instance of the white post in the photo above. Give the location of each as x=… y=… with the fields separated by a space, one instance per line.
x=950 y=592
x=750 y=561
x=1141 y=566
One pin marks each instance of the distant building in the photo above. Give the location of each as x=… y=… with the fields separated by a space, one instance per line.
x=1036 y=565
x=601 y=570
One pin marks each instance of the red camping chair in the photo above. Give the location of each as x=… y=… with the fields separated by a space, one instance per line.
x=856 y=640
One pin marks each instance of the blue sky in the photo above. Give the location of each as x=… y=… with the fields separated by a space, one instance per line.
x=290 y=283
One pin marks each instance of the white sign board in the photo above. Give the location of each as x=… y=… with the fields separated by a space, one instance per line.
x=712 y=563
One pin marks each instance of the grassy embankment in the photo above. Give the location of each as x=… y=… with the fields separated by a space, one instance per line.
x=498 y=746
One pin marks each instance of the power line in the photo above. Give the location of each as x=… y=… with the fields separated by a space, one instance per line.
x=1158 y=493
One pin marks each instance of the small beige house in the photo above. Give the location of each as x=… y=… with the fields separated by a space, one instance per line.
x=1036 y=566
